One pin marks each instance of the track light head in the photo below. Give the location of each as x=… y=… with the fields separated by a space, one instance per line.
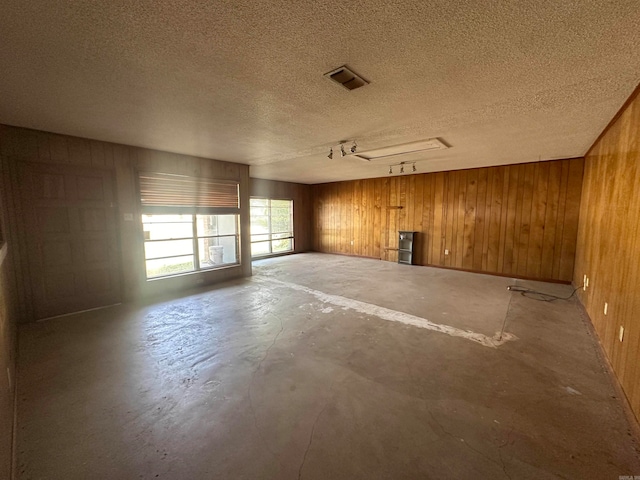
x=342 y=152
x=353 y=148
x=330 y=156
x=390 y=170
x=414 y=168
x=401 y=168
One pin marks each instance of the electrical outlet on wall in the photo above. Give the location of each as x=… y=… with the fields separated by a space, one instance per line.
x=606 y=307
x=351 y=242
x=446 y=251
x=621 y=333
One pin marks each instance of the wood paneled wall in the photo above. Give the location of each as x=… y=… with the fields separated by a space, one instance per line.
x=517 y=220
x=8 y=320
x=24 y=145
x=7 y=363
x=7 y=359
x=302 y=207
x=608 y=249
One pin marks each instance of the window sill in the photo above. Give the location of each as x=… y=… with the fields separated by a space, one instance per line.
x=188 y=274
x=272 y=255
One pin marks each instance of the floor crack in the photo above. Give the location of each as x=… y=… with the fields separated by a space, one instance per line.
x=313 y=429
x=499 y=464
x=266 y=353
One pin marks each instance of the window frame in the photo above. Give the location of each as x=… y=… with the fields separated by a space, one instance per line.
x=269 y=241
x=195 y=240
x=193 y=211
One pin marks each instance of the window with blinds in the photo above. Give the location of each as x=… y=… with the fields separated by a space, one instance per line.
x=189 y=224
x=178 y=191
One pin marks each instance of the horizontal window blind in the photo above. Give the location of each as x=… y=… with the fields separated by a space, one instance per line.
x=167 y=190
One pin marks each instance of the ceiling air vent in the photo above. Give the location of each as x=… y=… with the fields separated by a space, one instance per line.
x=346 y=78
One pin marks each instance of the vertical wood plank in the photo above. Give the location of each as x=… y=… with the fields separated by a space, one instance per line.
x=496 y=234
x=550 y=220
x=562 y=200
x=428 y=218
x=481 y=205
x=439 y=221
x=377 y=223
x=469 y=226
x=418 y=215
x=461 y=190
x=538 y=214
x=572 y=208
x=513 y=213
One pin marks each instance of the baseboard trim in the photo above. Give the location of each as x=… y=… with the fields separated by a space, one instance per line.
x=495 y=274
x=633 y=420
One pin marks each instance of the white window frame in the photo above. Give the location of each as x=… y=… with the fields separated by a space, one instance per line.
x=194 y=237
x=269 y=241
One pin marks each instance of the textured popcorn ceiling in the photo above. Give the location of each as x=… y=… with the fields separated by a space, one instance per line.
x=242 y=80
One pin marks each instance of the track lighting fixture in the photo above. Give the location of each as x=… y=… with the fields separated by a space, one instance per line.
x=401 y=165
x=343 y=151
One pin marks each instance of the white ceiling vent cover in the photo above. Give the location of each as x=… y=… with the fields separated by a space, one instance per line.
x=346 y=78
x=389 y=153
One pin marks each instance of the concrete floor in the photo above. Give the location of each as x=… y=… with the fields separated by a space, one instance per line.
x=324 y=367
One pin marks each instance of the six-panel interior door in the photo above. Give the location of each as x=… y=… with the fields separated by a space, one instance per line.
x=71 y=238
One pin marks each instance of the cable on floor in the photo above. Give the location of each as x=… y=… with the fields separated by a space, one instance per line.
x=540 y=296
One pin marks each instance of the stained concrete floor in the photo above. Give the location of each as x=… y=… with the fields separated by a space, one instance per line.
x=324 y=367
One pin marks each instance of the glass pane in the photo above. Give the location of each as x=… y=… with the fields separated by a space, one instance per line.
x=281 y=224
x=281 y=204
x=162 y=231
x=261 y=248
x=217 y=225
x=280 y=221
x=259 y=238
x=169 y=266
x=217 y=251
x=259 y=211
x=259 y=202
x=284 y=245
x=160 y=227
x=259 y=224
x=169 y=248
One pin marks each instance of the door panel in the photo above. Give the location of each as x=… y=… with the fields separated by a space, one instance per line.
x=72 y=242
